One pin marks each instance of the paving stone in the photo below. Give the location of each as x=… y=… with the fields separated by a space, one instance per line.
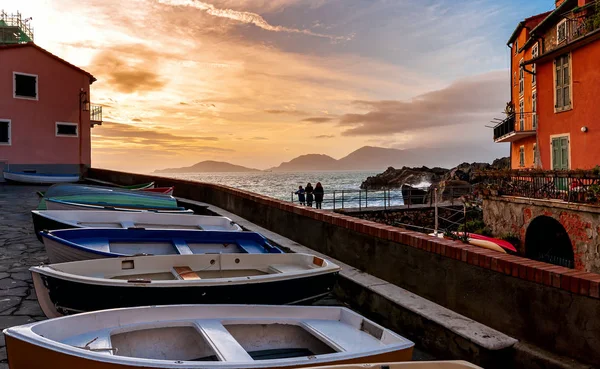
x=7 y=283
x=21 y=276
x=30 y=308
x=19 y=291
x=13 y=320
x=4 y=275
x=8 y=302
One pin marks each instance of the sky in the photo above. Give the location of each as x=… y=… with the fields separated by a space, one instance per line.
x=258 y=82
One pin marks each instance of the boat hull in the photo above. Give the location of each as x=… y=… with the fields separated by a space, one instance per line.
x=34 y=178
x=25 y=355
x=64 y=205
x=72 y=297
x=59 y=253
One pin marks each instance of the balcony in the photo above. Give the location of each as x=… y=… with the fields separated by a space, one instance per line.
x=95 y=115
x=515 y=127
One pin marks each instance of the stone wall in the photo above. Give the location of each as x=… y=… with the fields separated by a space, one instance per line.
x=514 y=215
x=553 y=307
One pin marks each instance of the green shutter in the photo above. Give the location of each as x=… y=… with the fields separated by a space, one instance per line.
x=555 y=153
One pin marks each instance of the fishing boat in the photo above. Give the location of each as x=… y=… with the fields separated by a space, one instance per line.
x=96 y=243
x=90 y=285
x=68 y=189
x=141 y=186
x=56 y=204
x=64 y=219
x=204 y=336
x=455 y=364
x=39 y=178
x=161 y=190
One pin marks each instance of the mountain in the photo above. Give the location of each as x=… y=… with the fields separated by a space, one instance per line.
x=208 y=166
x=379 y=158
x=308 y=162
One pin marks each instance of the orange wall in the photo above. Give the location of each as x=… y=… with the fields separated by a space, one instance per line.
x=33 y=122
x=584 y=147
x=528 y=143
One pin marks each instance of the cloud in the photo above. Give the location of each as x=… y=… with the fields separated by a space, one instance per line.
x=318 y=119
x=136 y=120
x=288 y=112
x=128 y=69
x=259 y=138
x=248 y=18
x=324 y=136
x=471 y=100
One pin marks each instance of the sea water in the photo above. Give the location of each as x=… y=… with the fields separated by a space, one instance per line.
x=281 y=185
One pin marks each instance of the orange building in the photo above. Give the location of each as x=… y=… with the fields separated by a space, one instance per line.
x=45 y=114
x=555 y=84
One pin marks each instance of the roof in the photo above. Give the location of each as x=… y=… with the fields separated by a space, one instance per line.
x=580 y=42
x=31 y=44
x=556 y=14
x=528 y=23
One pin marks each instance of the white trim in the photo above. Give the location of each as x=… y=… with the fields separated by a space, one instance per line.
x=535 y=47
x=66 y=124
x=522 y=150
x=9 y=143
x=37 y=83
x=534 y=115
x=558 y=25
x=521 y=77
x=521 y=114
x=568 y=135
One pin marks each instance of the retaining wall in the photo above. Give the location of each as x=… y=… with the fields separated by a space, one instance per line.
x=553 y=307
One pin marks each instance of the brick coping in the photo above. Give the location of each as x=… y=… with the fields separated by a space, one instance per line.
x=574 y=281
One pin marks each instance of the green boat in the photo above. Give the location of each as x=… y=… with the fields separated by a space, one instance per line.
x=141 y=186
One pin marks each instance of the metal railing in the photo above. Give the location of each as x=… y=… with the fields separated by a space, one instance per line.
x=96 y=114
x=571 y=186
x=505 y=127
x=365 y=199
x=14 y=29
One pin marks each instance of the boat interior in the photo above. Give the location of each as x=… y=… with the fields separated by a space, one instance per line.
x=195 y=267
x=243 y=339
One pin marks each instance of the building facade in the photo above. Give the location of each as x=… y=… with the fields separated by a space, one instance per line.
x=45 y=114
x=553 y=120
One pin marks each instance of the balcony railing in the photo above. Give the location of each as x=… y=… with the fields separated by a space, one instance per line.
x=580 y=186
x=506 y=127
x=96 y=115
x=515 y=127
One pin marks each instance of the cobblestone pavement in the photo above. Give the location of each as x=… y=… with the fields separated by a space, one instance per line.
x=19 y=250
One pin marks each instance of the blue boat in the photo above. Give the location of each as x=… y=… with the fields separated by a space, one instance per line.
x=96 y=243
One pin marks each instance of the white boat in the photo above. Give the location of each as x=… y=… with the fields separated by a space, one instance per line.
x=454 y=364
x=63 y=219
x=204 y=336
x=40 y=178
x=54 y=204
x=273 y=279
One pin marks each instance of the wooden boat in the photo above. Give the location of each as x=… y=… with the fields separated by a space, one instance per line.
x=204 y=336
x=96 y=243
x=91 y=285
x=161 y=190
x=477 y=242
x=68 y=189
x=502 y=243
x=55 y=204
x=141 y=186
x=39 y=178
x=457 y=364
x=65 y=219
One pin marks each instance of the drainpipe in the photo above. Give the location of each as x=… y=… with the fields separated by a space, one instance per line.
x=79 y=130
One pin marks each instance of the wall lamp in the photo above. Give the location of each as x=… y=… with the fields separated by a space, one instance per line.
x=85 y=103
x=584 y=129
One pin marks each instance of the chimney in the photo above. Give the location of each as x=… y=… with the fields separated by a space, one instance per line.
x=584 y=2
x=559 y=2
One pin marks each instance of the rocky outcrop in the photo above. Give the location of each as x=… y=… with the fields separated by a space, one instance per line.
x=411 y=177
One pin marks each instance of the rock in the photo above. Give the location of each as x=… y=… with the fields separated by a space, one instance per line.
x=395 y=178
x=412 y=195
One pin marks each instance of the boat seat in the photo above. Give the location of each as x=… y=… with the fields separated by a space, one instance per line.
x=127 y=224
x=251 y=247
x=222 y=341
x=182 y=247
x=185 y=273
x=285 y=268
x=342 y=335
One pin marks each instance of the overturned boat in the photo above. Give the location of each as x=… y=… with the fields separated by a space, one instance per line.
x=453 y=364
x=96 y=243
x=272 y=279
x=64 y=219
x=56 y=204
x=204 y=336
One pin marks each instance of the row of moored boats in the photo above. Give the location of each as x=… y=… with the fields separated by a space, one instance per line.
x=136 y=281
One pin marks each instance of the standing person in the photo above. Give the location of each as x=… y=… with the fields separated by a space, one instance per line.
x=319 y=193
x=309 y=194
x=301 y=197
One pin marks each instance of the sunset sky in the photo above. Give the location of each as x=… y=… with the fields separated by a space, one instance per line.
x=258 y=82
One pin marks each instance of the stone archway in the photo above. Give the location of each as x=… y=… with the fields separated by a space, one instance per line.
x=548 y=241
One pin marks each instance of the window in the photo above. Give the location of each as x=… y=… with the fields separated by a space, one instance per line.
x=5 y=132
x=522 y=156
x=561 y=31
x=66 y=129
x=535 y=52
x=562 y=82
x=560 y=152
x=25 y=86
x=516 y=47
x=521 y=115
x=521 y=78
x=534 y=109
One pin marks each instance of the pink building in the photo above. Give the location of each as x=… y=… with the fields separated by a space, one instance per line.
x=45 y=114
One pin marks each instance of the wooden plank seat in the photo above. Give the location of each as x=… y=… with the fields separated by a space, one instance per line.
x=185 y=273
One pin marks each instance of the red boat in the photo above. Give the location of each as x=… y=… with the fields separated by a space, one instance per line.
x=504 y=244
x=163 y=190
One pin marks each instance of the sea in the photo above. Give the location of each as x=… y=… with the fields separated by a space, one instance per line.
x=282 y=185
